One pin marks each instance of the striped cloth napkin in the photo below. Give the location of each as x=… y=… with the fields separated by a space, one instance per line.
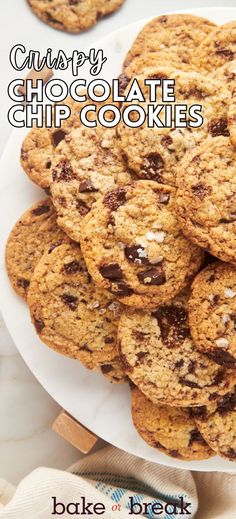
x=113 y=484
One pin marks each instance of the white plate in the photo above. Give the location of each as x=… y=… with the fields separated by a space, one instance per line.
x=102 y=407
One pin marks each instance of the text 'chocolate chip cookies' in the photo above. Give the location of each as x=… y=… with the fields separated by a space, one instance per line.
x=134 y=247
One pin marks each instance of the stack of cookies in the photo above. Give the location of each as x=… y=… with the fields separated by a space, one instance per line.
x=129 y=265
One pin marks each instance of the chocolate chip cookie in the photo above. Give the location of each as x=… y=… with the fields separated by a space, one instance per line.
x=205 y=201
x=39 y=146
x=227 y=74
x=73 y=15
x=87 y=164
x=171 y=39
x=218 y=427
x=71 y=315
x=154 y=152
x=161 y=359
x=169 y=429
x=218 y=48
x=35 y=232
x=133 y=245
x=232 y=118
x=212 y=313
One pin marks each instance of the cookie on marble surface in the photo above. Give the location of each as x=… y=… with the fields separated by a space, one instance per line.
x=73 y=15
x=212 y=313
x=218 y=48
x=169 y=429
x=133 y=245
x=169 y=38
x=70 y=314
x=87 y=164
x=218 y=426
x=35 y=232
x=161 y=359
x=154 y=152
x=205 y=201
x=39 y=146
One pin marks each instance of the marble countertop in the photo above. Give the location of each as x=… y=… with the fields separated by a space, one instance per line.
x=26 y=410
x=26 y=416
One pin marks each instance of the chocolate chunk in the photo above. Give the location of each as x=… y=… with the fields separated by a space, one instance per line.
x=195 y=436
x=23 y=154
x=39 y=325
x=58 y=136
x=218 y=127
x=42 y=209
x=123 y=83
x=194 y=92
x=126 y=365
x=86 y=186
x=158 y=445
x=47 y=190
x=198 y=412
x=222 y=357
x=192 y=366
x=200 y=191
x=54 y=245
x=227 y=404
x=166 y=141
x=231 y=453
x=82 y=207
x=111 y=271
x=52 y=20
x=23 y=283
x=134 y=253
x=219 y=377
x=74 y=2
x=163 y=198
x=109 y=340
x=173 y=323
x=141 y=354
x=70 y=301
x=72 y=267
x=85 y=347
x=152 y=167
x=63 y=172
x=155 y=276
x=48 y=164
x=122 y=290
x=114 y=199
x=174 y=453
x=111 y=220
x=179 y=363
x=138 y=335
x=106 y=368
x=162 y=19
x=213 y=396
x=188 y=383
x=227 y=53
x=230 y=219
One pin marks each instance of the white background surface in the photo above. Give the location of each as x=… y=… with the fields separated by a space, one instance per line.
x=26 y=411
